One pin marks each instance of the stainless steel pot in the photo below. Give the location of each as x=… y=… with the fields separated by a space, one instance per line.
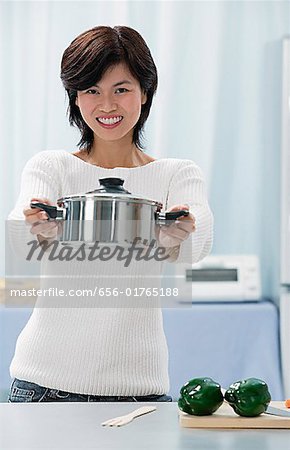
x=109 y=215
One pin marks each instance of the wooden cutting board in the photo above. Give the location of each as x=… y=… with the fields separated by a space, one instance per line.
x=225 y=417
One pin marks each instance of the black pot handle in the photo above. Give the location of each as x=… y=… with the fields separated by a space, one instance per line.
x=166 y=218
x=53 y=212
x=173 y=215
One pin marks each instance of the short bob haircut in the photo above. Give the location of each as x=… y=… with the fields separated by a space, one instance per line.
x=89 y=56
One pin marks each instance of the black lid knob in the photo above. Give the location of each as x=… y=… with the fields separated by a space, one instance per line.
x=110 y=186
x=108 y=182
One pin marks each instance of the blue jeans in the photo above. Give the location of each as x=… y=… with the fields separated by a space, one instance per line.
x=25 y=392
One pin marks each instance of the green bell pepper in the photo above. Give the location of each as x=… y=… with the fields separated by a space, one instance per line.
x=249 y=397
x=200 y=397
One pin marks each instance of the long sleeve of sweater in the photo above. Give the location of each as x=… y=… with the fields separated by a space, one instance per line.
x=188 y=186
x=39 y=179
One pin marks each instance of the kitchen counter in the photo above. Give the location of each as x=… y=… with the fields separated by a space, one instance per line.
x=78 y=426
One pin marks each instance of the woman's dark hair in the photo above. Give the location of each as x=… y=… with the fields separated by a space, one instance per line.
x=89 y=56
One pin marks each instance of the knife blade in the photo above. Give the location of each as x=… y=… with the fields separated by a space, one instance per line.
x=277 y=411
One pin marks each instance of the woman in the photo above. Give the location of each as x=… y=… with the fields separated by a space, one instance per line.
x=102 y=354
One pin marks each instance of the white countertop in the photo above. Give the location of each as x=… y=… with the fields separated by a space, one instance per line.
x=78 y=426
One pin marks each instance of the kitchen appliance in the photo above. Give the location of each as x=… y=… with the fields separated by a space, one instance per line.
x=285 y=221
x=220 y=278
x=109 y=215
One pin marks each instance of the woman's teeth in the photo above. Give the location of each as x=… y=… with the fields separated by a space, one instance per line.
x=110 y=121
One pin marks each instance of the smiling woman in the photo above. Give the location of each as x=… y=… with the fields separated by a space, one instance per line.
x=109 y=348
x=107 y=107
x=109 y=73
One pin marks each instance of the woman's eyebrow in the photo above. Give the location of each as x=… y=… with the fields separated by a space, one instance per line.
x=122 y=82
x=119 y=83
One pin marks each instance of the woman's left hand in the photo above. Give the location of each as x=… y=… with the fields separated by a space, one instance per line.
x=178 y=231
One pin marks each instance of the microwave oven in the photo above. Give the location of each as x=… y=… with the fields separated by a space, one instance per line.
x=220 y=278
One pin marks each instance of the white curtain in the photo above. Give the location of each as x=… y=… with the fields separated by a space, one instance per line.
x=218 y=102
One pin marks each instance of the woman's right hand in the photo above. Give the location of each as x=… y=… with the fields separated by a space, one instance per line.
x=38 y=220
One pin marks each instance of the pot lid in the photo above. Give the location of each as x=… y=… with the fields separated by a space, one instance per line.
x=111 y=188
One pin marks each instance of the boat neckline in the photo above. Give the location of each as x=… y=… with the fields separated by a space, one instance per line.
x=113 y=168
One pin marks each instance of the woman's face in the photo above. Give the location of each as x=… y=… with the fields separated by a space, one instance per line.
x=112 y=107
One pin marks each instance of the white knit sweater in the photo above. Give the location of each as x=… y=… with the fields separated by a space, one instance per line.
x=105 y=350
